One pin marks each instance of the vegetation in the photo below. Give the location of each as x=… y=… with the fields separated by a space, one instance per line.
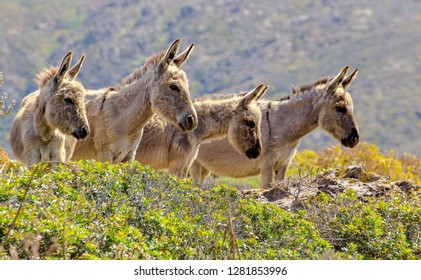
x=4 y=111
x=372 y=229
x=388 y=164
x=93 y=210
x=407 y=166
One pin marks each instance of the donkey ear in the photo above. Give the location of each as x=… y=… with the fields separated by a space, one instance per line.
x=65 y=65
x=348 y=80
x=254 y=95
x=182 y=57
x=264 y=90
x=169 y=56
x=335 y=82
x=76 y=68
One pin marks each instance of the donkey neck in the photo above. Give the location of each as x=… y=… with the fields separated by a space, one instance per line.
x=213 y=118
x=133 y=103
x=45 y=131
x=296 y=116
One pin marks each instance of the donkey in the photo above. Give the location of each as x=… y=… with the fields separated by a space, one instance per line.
x=117 y=115
x=48 y=115
x=325 y=103
x=165 y=147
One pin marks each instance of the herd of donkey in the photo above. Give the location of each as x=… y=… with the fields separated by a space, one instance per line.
x=150 y=117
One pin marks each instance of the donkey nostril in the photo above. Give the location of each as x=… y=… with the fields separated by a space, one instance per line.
x=354 y=135
x=254 y=152
x=190 y=121
x=80 y=133
x=84 y=132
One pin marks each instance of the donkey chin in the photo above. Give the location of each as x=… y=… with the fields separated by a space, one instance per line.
x=80 y=133
x=254 y=152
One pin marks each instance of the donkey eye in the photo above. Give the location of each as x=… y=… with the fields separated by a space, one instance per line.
x=250 y=124
x=68 y=100
x=341 y=109
x=174 y=87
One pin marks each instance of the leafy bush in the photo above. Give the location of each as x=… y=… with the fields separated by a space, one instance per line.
x=93 y=210
x=6 y=164
x=368 y=154
x=372 y=229
x=411 y=163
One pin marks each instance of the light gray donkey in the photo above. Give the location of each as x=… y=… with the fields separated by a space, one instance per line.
x=326 y=104
x=165 y=147
x=117 y=115
x=49 y=115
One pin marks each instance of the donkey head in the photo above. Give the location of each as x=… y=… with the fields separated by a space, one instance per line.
x=65 y=107
x=337 y=116
x=170 y=97
x=244 y=127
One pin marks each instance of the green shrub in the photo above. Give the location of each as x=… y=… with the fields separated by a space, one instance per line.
x=93 y=210
x=409 y=167
x=378 y=228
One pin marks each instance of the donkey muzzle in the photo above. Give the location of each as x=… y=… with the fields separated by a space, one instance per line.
x=188 y=122
x=352 y=140
x=254 y=152
x=80 y=132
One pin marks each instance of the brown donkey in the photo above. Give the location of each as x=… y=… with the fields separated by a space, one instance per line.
x=117 y=115
x=325 y=103
x=49 y=114
x=165 y=147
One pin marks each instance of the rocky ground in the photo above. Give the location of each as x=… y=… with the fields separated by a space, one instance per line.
x=294 y=191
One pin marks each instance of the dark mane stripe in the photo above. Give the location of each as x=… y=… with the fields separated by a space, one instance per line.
x=217 y=96
x=306 y=87
x=150 y=63
x=46 y=75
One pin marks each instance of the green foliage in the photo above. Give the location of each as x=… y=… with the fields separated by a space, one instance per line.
x=240 y=183
x=6 y=164
x=92 y=210
x=409 y=167
x=372 y=229
x=412 y=164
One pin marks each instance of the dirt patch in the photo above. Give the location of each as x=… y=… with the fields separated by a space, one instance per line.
x=291 y=193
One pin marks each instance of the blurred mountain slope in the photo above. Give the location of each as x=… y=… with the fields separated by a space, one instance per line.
x=239 y=44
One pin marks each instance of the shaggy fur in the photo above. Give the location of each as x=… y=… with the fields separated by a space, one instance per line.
x=48 y=115
x=324 y=104
x=165 y=147
x=118 y=114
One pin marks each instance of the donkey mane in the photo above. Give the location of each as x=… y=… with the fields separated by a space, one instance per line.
x=219 y=96
x=150 y=63
x=46 y=75
x=295 y=91
x=306 y=87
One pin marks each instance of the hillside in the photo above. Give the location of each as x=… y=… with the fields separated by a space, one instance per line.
x=238 y=45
